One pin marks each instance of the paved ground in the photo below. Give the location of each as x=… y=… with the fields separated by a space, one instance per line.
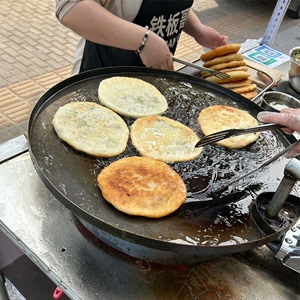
x=36 y=51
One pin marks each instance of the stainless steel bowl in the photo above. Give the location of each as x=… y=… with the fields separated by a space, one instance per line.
x=294 y=70
x=276 y=101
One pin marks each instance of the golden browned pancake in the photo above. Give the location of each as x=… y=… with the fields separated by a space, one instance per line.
x=142 y=186
x=164 y=139
x=227 y=70
x=245 y=89
x=224 y=59
x=236 y=84
x=131 y=97
x=230 y=64
x=249 y=95
x=241 y=68
x=233 y=76
x=219 y=117
x=91 y=128
x=220 y=51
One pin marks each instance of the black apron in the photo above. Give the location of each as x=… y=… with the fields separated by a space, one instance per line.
x=164 y=17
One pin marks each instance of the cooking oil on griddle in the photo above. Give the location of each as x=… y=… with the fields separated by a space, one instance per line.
x=223 y=225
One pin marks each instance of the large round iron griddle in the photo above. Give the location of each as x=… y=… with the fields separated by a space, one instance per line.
x=200 y=235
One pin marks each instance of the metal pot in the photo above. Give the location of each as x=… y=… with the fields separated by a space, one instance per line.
x=294 y=70
x=275 y=101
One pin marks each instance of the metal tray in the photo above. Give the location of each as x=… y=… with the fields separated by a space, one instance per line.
x=262 y=79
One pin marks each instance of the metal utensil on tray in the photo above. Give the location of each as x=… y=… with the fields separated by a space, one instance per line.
x=224 y=134
x=218 y=74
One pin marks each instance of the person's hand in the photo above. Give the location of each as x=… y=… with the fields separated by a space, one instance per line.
x=289 y=117
x=156 y=53
x=210 y=37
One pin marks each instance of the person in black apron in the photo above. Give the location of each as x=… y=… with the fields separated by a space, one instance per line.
x=149 y=40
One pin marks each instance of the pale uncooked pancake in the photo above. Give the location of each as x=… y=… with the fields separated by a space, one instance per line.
x=142 y=186
x=131 y=97
x=91 y=128
x=218 y=117
x=164 y=139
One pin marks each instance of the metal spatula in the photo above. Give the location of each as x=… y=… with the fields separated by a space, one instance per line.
x=205 y=200
x=218 y=74
x=266 y=163
x=224 y=134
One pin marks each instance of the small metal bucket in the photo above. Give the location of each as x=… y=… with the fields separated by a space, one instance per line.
x=275 y=101
x=294 y=70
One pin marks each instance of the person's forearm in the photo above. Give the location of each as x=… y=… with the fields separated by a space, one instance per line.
x=93 y=22
x=192 y=25
x=203 y=35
